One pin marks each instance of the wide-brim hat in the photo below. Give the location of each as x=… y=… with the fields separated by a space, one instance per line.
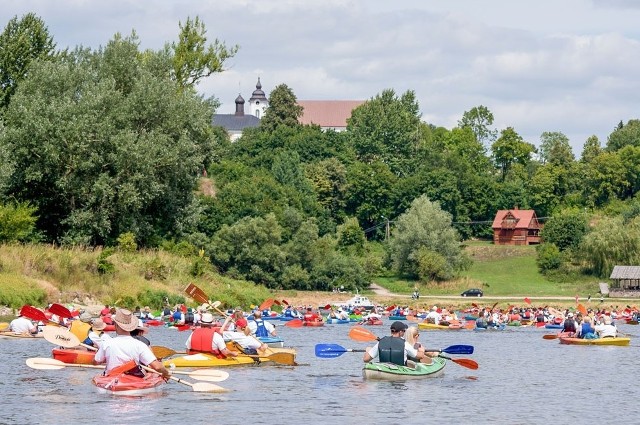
x=207 y=318
x=85 y=317
x=125 y=319
x=98 y=325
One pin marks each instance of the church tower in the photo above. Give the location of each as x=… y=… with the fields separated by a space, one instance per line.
x=258 y=101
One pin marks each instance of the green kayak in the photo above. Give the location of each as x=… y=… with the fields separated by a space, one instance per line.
x=392 y=372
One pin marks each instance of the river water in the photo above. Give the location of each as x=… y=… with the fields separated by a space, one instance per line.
x=522 y=379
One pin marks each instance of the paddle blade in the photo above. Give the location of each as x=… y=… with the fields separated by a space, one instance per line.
x=285 y=302
x=327 y=307
x=329 y=351
x=60 y=336
x=60 y=310
x=33 y=313
x=458 y=349
x=582 y=309
x=266 y=304
x=468 y=363
x=161 y=352
x=295 y=323
x=288 y=359
x=550 y=336
x=42 y=363
x=205 y=387
x=359 y=333
x=196 y=293
x=125 y=367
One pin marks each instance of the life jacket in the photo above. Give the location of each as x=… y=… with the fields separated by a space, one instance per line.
x=202 y=340
x=309 y=317
x=391 y=350
x=166 y=312
x=261 y=329
x=177 y=316
x=188 y=317
x=569 y=325
x=80 y=329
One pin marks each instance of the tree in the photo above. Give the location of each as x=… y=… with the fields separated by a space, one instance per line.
x=555 y=149
x=193 y=60
x=103 y=146
x=479 y=119
x=591 y=149
x=425 y=227
x=565 y=230
x=624 y=135
x=387 y=129
x=510 y=149
x=283 y=109
x=22 y=42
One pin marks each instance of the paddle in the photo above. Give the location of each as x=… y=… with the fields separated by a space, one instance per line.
x=63 y=337
x=4 y=326
x=163 y=352
x=266 y=304
x=295 y=323
x=361 y=334
x=196 y=293
x=550 y=336
x=330 y=351
x=201 y=387
x=60 y=310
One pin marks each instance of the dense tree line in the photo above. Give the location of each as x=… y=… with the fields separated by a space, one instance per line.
x=99 y=143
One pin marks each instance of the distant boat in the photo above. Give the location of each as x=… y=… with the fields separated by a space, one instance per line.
x=356 y=301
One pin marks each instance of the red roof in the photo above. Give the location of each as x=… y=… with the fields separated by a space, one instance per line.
x=523 y=217
x=328 y=113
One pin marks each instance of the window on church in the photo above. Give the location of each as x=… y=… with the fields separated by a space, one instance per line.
x=257 y=113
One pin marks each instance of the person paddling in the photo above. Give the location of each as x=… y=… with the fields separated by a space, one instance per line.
x=97 y=334
x=123 y=348
x=205 y=339
x=393 y=349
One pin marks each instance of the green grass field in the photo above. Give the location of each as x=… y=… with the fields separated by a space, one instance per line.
x=498 y=271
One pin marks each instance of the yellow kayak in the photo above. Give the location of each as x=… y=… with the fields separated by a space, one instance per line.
x=432 y=326
x=272 y=355
x=619 y=341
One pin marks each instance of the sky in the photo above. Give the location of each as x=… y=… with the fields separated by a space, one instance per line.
x=569 y=66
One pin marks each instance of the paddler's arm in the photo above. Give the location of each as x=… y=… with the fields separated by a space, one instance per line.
x=159 y=367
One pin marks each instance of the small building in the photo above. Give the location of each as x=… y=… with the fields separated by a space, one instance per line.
x=516 y=227
x=328 y=114
x=625 y=278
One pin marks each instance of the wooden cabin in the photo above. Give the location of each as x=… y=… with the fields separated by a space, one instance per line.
x=626 y=279
x=516 y=227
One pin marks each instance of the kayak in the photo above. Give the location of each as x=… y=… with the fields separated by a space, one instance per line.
x=553 y=326
x=620 y=341
x=313 y=323
x=73 y=355
x=20 y=335
x=334 y=321
x=128 y=385
x=499 y=327
x=432 y=326
x=392 y=372
x=397 y=317
x=210 y=360
x=272 y=341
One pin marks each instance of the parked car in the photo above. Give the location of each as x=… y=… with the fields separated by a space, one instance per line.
x=474 y=292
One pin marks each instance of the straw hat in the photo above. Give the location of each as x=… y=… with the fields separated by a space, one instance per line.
x=125 y=319
x=207 y=318
x=98 y=325
x=85 y=317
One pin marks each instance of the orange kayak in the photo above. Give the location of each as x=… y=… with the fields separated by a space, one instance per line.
x=128 y=385
x=73 y=355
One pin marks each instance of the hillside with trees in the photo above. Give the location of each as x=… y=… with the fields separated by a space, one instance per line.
x=105 y=144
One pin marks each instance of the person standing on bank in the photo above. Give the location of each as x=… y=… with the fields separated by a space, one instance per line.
x=393 y=349
x=123 y=348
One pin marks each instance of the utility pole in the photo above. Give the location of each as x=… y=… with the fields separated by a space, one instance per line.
x=386 y=228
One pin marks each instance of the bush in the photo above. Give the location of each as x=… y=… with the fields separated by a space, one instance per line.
x=104 y=265
x=549 y=257
x=127 y=242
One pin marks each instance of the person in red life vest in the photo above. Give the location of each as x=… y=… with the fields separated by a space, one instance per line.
x=206 y=339
x=123 y=348
x=311 y=316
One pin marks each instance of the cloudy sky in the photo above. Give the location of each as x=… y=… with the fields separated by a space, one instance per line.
x=571 y=66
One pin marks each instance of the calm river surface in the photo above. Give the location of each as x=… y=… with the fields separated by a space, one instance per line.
x=522 y=379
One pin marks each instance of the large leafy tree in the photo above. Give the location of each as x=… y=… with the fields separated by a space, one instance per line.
x=479 y=119
x=387 y=129
x=566 y=229
x=283 y=109
x=193 y=59
x=624 y=135
x=23 y=41
x=424 y=244
x=509 y=149
x=555 y=149
x=102 y=145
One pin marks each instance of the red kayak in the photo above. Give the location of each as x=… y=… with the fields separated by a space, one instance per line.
x=128 y=385
x=73 y=355
x=315 y=323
